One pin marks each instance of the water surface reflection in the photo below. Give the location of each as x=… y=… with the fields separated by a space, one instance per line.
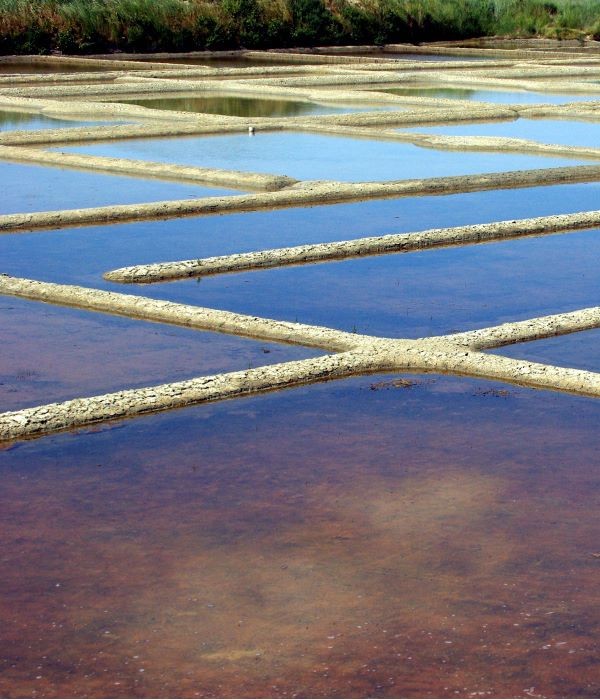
x=315 y=157
x=434 y=539
x=490 y=95
x=235 y=106
x=30 y=188
x=10 y=121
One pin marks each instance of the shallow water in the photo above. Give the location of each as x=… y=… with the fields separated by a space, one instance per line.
x=316 y=157
x=30 y=188
x=234 y=106
x=50 y=67
x=11 y=121
x=353 y=539
x=390 y=55
x=415 y=294
x=410 y=295
x=568 y=132
x=51 y=353
x=579 y=350
x=429 y=537
x=81 y=255
x=497 y=96
x=227 y=62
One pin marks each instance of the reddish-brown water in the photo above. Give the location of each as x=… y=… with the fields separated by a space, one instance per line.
x=353 y=539
x=54 y=354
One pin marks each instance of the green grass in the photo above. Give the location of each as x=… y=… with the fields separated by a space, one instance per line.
x=95 y=26
x=558 y=19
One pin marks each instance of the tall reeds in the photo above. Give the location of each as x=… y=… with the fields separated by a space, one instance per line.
x=94 y=26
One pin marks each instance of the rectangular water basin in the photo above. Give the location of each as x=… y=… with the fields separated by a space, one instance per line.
x=13 y=121
x=364 y=512
x=315 y=157
x=555 y=131
x=238 y=106
x=51 y=353
x=29 y=188
x=416 y=294
x=491 y=95
x=82 y=255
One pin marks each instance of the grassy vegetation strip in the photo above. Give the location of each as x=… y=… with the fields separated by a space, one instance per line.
x=92 y=26
x=375 y=245
x=303 y=194
x=141 y=168
x=186 y=315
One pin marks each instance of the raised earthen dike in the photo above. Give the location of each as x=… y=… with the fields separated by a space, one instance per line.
x=340 y=79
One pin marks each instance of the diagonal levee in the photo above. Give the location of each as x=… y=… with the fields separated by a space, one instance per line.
x=413 y=356
x=67 y=415
x=301 y=195
x=198 y=317
x=236 y=179
x=361 y=247
x=526 y=331
x=519 y=372
x=355 y=354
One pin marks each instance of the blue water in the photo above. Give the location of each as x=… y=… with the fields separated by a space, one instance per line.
x=315 y=157
x=11 y=121
x=404 y=295
x=497 y=96
x=579 y=350
x=31 y=188
x=567 y=132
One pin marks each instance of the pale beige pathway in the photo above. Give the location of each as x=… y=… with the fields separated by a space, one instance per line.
x=360 y=247
x=355 y=354
x=324 y=76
